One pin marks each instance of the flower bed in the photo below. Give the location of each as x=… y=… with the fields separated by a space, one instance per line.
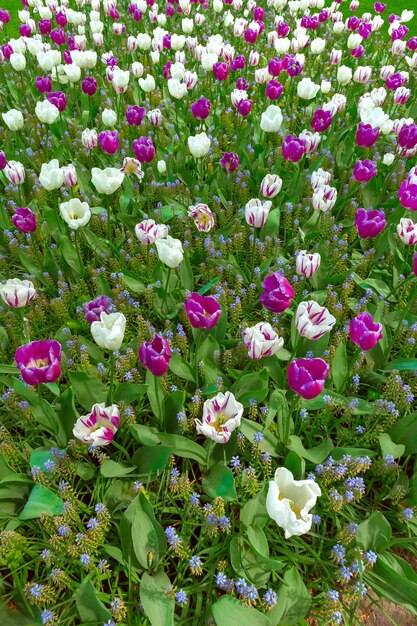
x=209 y=312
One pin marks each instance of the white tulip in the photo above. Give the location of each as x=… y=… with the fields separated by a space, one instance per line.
x=46 y=112
x=18 y=61
x=51 y=175
x=109 y=117
x=147 y=84
x=199 y=145
x=271 y=119
x=107 y=181
x=17 y=293
x=170 y=251
x=13 y=119
x=75 y=213
x=307 y=90
x=109 y=332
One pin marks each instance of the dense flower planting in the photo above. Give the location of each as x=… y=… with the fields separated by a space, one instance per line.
x=208 y=315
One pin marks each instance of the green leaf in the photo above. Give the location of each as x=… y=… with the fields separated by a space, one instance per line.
x=145 y=434
x=220 y=482
x=158 y=607
x=294 y=601
x=252 y=387
x=295 y=464
x=87 y=390
x=316 y=454
x=205 y=288
x=229 y=611
x=389 y=447
x=374 y=533
x=151 y=460
x=285 y=423
x=269 y=443
x=340 y=367
x=173 y=404
x=144 y=540
x=391 y=577
x=90 y=609
x=155 y=395
x=69 y=254
x=181 y=368
x=254 y=512
x=41 y=501
x=129 y=392
x=134 y=285
x=271 y=226
x=405 y=432
x=112 y=469
x=67 y=414
x=186 y=273
x=184 y=447
x=402 y=365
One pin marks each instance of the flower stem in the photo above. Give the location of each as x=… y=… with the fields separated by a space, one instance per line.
x=110 y=396
x=166 y=287
x=253 y=256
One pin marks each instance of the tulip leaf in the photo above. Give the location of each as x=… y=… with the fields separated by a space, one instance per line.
x=316 y=454
x=405 y=432
x=90 y=609
x=144 y=540
x=395 y=579
x=41 y=501
x=220 y=482
x=181 y=368
x=128 y=392
x=374 y=533
x=151 y=460
x=402 y=365
x=229 y=611
x=389 y=447
x=112 y=469
x=205 y=288
x=294 y=600
x=157 y=604
x=252 y=387
x=254 y=511
x=87 y=389
x=340 y=367
x=184 y=447
x=268 y=444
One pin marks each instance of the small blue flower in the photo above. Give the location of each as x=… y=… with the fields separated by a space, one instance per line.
x=181 y=597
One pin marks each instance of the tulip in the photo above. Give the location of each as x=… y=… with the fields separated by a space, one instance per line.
x=46 y=112
x=229 y=161
x=39 y=361
x=366 y=135
x=94 y=308
x=311 y=140
x=75 y=213
x=107 y=181
x=201 y=109
x=364 y=171
x=144 y=149
x=261 y=340
x=415 y=264
x=369 y=223
x=147 y=84
x=293 y=148
x=120 y=80
x=70 y=175
x=199 y=145
x=135 y=115
x=274 y=90
x=344 y=75
x=407 y=231
x=43 y=84
x=15 y=172
x=271 y=119
x=221 y=416
x=51 y=176
x=256 y=212
x=155 y=355
x=170 y=251
x=13 y=119
x=307 y=90
x=202 y=311
x=109 y=117
x=155 y=117
x=17 y=293
x=320 y=178
x=407 y=193
x=307 y=264
x=148 y=232
x=271 y=186
x=289 y=502
x=277 y=293
x=99 y=427
x=220 y=71
x=312 y=320
x=321 y=120
x=89 y=138
x=89 y=85
x=24 y=220
x=307 y=377
x=108 y=333
x=407 y=137
x=202 y=216
x=109 y=141
x=364 y=332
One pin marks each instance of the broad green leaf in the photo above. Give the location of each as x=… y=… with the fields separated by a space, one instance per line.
x=128 y=392
x=157 y=599
x=389 y=447
x=144 y=540
x=269 y=443
x=145 y=434
x=405 y=432
x=112 y=469
x=184 y=447
x=229 y=611
x=155 y=395
x=205 y=288
x=173 y=405
x=340 y=367
x=87 y=390
x=181 y=368
x=402 y=365
x=374 y=533
x=252 y=387
x=220 y=482
x=90 y=609
x=254 y=512
x=151 y=460
x=295 y=464
x=316 y=454
x=41 y=501
x=294 y=601
x=392 y=579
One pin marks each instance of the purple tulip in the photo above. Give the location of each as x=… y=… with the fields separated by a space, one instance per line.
x=277 y=293
x=43 y=84
x=144 y=149
x=201 y=108
x=369 y=223
x=3 y=160
x=274 y=90
x=242 y=84
x=366 y=135
x=169 y=10
x=321 y=120
x=7 y=51
x=353 y=23
x=379 y=7
x=135 y=115
x=364 y=171
x=202 y=311
x=109 y=141
x=323 y=16
x=24 y=219
x=407 y=137
x=307 y=377
x=250 y=35
x=89 y=85
x=229 y=161
x=67 y=56
x=220 y=71
x=294 y=67
x=4 y=16
x=395 y=81
x=94 y=308
x=39 y=361
x=407 y=194
x=283 y=30
x=44 y=27
x=155 y=355
x=258 y=14
x=61 y=19
x=238 y=63
x=399 y=33
x=58 y=36
x=244 y=107
x=358 y=52
x=275 y=67
x=415 y=265
x=25 y=30
x=365 y=30
x=58 y=99
x=364 y=332
x=412 y=44
x=293 y=148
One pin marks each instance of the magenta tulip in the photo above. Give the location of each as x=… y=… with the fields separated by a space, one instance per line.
x=366 y=135
x=155 y=355
x=364 y=332
x=307 y=377
x=39 y=361
x=24 y=220
x=202 y=311
x=369 y=223
x=364 y=171
x=277 y=293
x=109 y=141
